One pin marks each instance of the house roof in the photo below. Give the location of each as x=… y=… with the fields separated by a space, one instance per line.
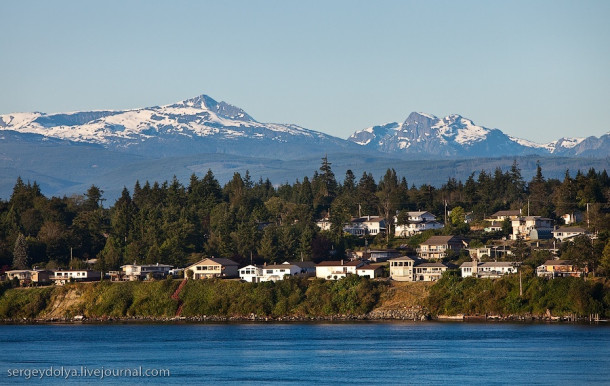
x=431 y=265
x=251 y=266
x=368 y=267
x=147 y=265
x=368 y=219
x=277 y=266
x=498 y=264
x=419 y=213
x=217 y=260
x=570 y=229
x=303 y=264
x=557 y=262
x=402 y=258
x=339 y=263
x=441 y=240
x=501 y=213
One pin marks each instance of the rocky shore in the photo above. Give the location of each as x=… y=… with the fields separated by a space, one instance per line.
x=416 y=314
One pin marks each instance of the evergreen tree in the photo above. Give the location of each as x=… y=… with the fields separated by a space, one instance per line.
x=20 y=253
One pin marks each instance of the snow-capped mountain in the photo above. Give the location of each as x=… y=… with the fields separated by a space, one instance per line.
x=197 y=125
x=455 y=136
x=203 y=125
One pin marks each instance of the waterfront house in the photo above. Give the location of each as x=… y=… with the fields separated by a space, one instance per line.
x=407 y=269
x=401 y=268
x=417 y=222
x=133 y=272
x=274 y=272
x=559 y=268
x=214 y=267
x=488 y=269
x=334 y=270
x=565 y=233
x=63 y=276
x=429 y=271
x=370 y=271
x=436 y=247
x=251 y=273
x=30 y=276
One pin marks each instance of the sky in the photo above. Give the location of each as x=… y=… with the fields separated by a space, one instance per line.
x=538 y=70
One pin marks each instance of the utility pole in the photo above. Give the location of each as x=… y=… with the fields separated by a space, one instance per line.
x=588 y=215
x=520 y=284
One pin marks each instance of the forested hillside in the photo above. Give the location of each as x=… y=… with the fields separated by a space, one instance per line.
x=173 y=223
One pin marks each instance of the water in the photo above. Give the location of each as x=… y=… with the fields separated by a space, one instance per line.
x=321 y=353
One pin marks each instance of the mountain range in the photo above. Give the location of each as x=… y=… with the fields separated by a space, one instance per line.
x=66 y=152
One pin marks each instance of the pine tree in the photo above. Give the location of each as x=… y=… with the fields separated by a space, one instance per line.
x=20 y=253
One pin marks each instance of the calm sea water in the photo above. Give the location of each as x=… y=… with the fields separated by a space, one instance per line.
x=321 y=353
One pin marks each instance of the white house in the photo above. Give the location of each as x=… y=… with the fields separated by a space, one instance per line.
x=323 y=224
x=370 y=271
x=367 y=225
x=251 y=273
x=416 y=222
x=429 y=271
x=488 y=269
x=333 y=270
x=407 y=269
x=134 y=271
x=64 y=276
x=564 y=233
x=401 y=268
x=274 y=272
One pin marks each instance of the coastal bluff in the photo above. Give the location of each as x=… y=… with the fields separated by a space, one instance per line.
x=300 y=299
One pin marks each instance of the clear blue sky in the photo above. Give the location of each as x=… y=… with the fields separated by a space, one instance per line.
x=538 y=70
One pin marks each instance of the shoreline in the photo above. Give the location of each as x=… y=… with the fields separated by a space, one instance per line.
x=305 y=319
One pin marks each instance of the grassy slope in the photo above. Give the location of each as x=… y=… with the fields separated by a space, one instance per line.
x=312 y=298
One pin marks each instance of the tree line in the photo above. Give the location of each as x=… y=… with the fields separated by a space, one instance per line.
x=246 y=220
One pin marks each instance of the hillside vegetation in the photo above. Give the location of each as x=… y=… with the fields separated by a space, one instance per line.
x=302 y=298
